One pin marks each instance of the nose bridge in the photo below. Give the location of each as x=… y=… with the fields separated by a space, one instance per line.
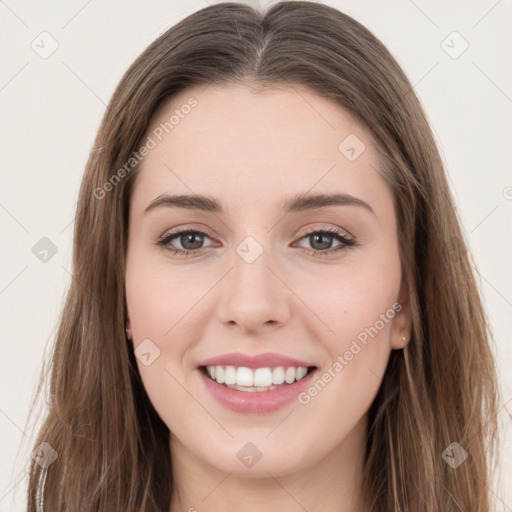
x=253 y=296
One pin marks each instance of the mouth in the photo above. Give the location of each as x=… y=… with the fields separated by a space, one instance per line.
x=255 y=380
x=249 y=396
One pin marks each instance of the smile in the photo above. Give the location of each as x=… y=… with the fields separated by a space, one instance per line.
x=255 y=390
x=257 y=379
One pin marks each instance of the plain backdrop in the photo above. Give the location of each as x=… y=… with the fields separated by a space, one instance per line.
x=51 y=107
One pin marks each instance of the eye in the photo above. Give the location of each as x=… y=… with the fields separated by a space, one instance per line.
x=191 y=241
x=321 y=241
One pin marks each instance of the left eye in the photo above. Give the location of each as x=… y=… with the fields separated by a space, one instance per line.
x=323 y=240
x=192 y=240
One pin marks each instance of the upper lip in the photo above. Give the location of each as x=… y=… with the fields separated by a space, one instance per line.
x=268 y=359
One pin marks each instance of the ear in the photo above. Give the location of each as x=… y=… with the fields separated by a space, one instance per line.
x=129 y=329
x=402 y=322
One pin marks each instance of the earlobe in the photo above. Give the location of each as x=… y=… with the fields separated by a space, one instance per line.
x=128 y=330
x=401 y=343
x=402 y=327
x=402 y=323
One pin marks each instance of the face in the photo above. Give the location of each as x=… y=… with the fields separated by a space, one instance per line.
x=262 y=268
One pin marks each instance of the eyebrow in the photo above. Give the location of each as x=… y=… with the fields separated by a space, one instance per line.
x=298 y=203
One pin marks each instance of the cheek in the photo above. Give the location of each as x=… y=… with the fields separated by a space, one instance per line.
x=166 y=306
x=157 y=297
x=359 y=314
x=355 y=296
x=157 y=306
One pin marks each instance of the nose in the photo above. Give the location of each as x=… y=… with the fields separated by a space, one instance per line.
x=254 y=296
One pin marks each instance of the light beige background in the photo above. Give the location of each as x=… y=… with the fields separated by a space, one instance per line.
x=51 y=108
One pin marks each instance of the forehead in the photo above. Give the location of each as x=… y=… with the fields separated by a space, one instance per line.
x=247 y=145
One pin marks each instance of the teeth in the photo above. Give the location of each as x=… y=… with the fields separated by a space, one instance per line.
x=289 y=375
x=244 y=377
x=259 y=379
x=229 y=375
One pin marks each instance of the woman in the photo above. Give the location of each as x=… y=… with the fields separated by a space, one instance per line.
x=272 y=305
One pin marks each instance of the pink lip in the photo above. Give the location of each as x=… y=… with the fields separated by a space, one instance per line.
x=258 y=401
x=267 y=359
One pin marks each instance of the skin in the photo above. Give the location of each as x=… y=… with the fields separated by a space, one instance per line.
x=251 y=151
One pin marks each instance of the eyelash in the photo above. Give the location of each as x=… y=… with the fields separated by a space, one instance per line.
x=345 y=242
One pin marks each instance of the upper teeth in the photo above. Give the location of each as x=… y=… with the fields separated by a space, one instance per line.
x=260 y=377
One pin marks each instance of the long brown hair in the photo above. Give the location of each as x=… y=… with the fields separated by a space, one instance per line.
x=112 y=447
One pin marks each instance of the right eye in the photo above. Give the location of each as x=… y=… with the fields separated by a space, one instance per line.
x=190 y=240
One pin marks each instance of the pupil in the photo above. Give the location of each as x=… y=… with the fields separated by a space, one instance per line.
x=190 y=237
x=324 y=239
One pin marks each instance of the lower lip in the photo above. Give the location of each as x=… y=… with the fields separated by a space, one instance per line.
x=255 y=401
